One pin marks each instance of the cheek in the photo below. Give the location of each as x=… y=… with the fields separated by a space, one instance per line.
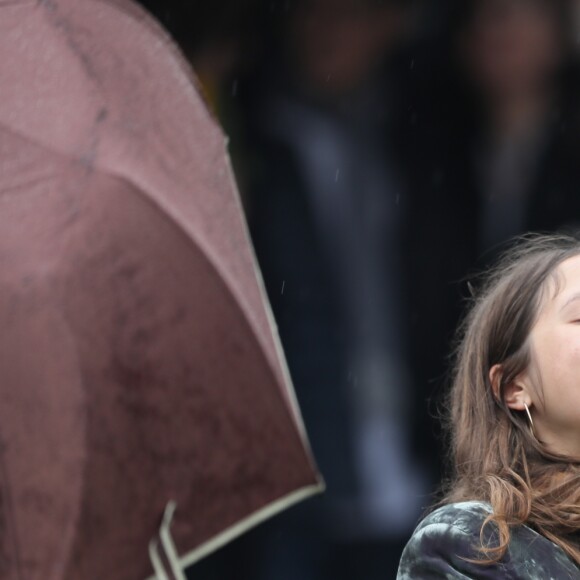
x=565 y=347
x=557 y=360
x=546 y=351
x=569 y=360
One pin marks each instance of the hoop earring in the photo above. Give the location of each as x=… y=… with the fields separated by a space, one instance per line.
x=530 y=420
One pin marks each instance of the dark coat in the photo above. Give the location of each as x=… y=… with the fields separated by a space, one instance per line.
x=447 y=537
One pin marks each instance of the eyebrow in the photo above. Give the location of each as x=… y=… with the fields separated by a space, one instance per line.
x=572 y=298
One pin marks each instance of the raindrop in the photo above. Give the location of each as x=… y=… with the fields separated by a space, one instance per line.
x=336 y=175
x=283 y=284
x=235 y=88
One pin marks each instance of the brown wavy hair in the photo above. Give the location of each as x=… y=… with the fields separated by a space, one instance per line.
x=495 y=456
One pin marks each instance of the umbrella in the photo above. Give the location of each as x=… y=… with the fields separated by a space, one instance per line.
x=146 y=413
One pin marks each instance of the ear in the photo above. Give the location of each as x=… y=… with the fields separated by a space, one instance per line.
x=495 y=374
x=515 y=394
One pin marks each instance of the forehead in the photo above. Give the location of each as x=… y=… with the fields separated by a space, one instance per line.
x=563 y=285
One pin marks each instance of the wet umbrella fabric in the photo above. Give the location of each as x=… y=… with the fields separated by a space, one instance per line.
x=142 y=387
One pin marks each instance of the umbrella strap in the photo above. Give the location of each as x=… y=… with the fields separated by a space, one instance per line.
x=168 y=547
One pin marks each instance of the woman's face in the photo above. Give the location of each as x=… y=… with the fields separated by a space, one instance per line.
x=555 y=347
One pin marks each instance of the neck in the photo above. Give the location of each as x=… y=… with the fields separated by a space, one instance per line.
x=565 y=444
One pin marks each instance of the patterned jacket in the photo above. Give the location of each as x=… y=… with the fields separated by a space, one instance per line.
x=442 y=541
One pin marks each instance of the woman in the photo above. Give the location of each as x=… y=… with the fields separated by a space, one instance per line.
x=512 y=509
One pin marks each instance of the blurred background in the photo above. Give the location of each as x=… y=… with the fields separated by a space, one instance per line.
x=385 y=150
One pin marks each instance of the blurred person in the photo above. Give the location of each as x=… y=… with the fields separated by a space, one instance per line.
x=511 y=509
x=326 y=206
x=516 y=52
x=499 y=145
x=508 y=152
x=496 y=154
x=327 y=214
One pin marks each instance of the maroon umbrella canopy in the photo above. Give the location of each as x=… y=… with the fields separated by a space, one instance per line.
x=140 y=373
